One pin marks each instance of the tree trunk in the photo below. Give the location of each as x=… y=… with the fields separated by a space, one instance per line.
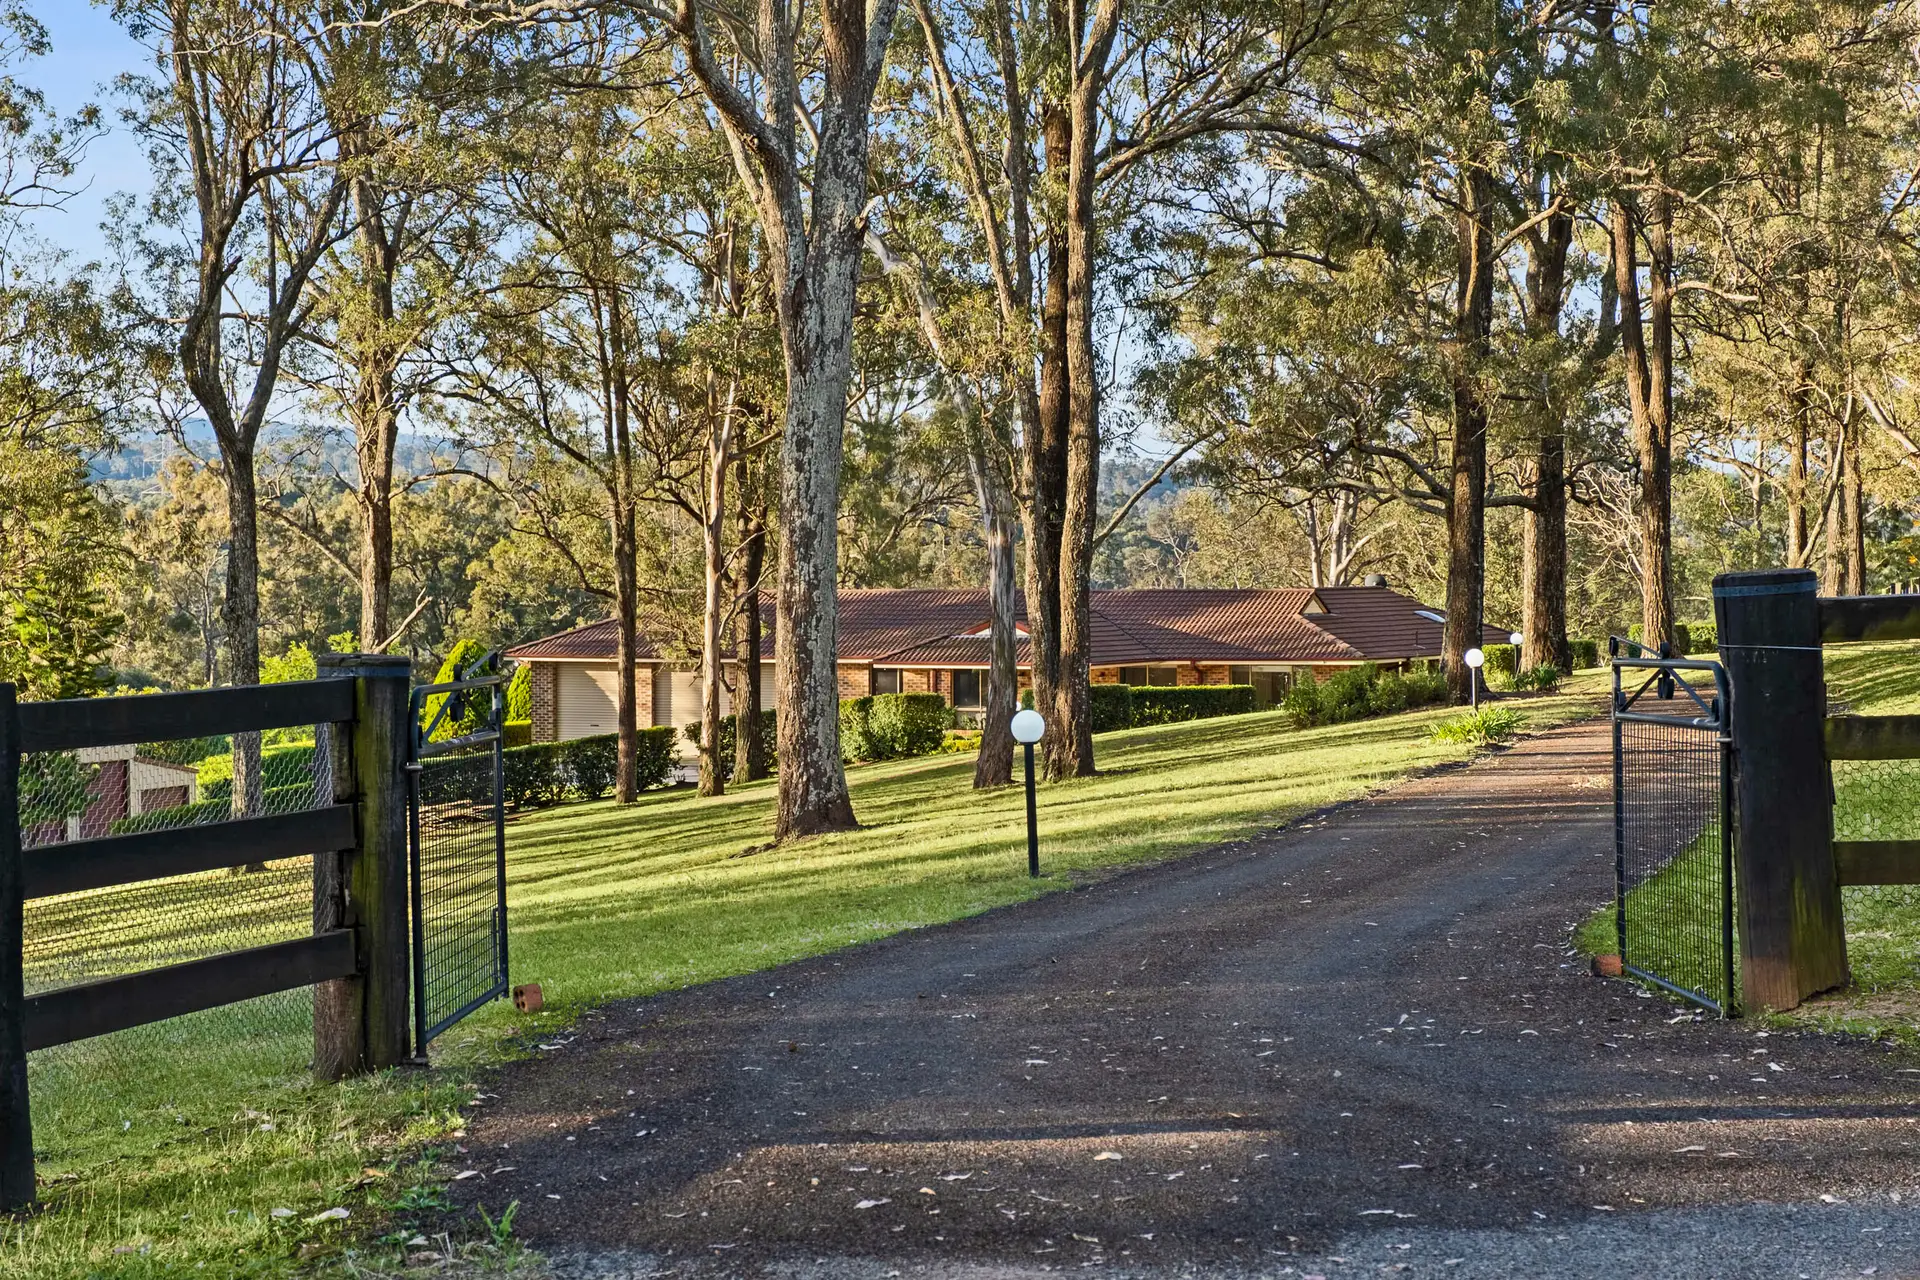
x=1466 y=506
x=1045 y=453
x=1649 y=366
x=240 y=619
x=1070 y=747
x=376 y=422
x=1799 y=440
x=1544 y=536
x=717 y=607
x=994 y=765
x=1853 y=503
x=749 y=746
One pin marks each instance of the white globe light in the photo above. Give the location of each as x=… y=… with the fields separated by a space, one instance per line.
x=1028 y=726
x=1516 y=638
x=1473 y=657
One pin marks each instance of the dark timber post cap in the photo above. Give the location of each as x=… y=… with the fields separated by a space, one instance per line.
x=1792 y=934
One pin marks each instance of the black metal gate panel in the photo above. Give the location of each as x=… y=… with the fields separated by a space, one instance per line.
x=1673 y=826
x=457 y=851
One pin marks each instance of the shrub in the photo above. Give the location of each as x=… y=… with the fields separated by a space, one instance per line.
x=1702 y=637
x=531 y=776
x=904 y=725
x=284 y=764
x=590 y=764
x=1110 y=706
x=219 y=808
x=959 y=741
x=1682 y=637
x=1502 y=659
x=729 y=740
x=1359 y=691
x=1344 y=696
x=1172 y=704
x=516 y=733
x=1545 y=678
x=1489 y=724
x=1301 y=706
x=856 y=740
x=1586 y=654
x=520 y=693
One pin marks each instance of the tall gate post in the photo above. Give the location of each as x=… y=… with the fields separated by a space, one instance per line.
x=1792 y=936
x=363 y=1023
x=16 y=1120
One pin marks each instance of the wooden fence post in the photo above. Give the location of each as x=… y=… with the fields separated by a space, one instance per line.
x=16 y=1119
x=1792 y=935
x=364 y=1022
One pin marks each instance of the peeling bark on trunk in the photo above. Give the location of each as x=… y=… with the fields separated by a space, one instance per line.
x=1467 y=490
x=1799 y=440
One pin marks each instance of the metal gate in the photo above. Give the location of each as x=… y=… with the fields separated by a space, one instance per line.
x=1673 y=826
x=457 y=851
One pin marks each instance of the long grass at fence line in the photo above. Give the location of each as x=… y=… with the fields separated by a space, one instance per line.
x=179 y=1171
x=1673 y=921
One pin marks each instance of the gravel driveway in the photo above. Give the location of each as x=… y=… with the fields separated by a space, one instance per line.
x=1356 y=1046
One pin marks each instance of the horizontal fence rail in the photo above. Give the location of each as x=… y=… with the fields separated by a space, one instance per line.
x=115 y=1004
x=155 y=717
x=101 y=863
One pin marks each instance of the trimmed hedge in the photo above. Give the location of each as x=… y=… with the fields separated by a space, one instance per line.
x=893 y=726
x=1172 y=704
x=1586 y=654
x=289 y=759
x=217 y=808
x=1502 y=659
x=908 y=724
x=1702 y=637
x=1682 y=636
x=1359 y=691
x=1111 y=706
x=546 y=773
x=730 y=737
x=517 y=733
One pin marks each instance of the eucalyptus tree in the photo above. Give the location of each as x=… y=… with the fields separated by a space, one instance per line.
x=239 y=121
x=1086 y=108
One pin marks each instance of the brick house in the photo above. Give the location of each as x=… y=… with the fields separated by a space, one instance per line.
x=934 y=640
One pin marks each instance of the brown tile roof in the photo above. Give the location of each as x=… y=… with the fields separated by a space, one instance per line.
x=914 y=626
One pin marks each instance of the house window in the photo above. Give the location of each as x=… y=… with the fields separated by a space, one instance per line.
x=886 y=680
x=1239 y=675
x=966 y=689
x=1149 y=675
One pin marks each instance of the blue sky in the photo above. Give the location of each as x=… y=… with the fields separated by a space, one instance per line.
x=89 y=50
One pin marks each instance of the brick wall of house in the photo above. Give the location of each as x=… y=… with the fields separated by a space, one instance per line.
x=853 y=680
x=1187 y=673
x=1210 y=674
x=1104 y=675
x=920 y=681
x=546 y=701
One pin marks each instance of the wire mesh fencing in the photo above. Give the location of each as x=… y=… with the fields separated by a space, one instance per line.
x=460 y=917
x=83 y=937
x=1879 y=800
x=1673 y=864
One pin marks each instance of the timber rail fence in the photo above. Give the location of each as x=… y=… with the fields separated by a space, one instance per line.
x=1773 y=630
x=356 y=957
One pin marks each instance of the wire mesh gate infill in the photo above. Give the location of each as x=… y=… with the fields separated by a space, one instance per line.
x=457 y=851
x=1673 y=854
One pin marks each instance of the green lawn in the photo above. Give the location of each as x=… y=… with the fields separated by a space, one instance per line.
x=162 y=1158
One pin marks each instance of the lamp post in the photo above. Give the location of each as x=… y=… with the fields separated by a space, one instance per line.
x=1473 y=658
x=1027 y=728
x=1517 y=639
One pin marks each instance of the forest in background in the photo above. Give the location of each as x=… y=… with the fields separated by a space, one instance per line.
x=474 y=322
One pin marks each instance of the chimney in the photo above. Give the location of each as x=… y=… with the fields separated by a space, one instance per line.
x=1374 y=580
